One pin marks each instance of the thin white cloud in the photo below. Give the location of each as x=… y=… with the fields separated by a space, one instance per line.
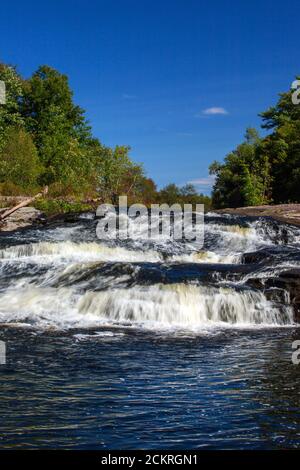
x=184 y=134
x=209 y=181
x=126 y=96
x=214 y=111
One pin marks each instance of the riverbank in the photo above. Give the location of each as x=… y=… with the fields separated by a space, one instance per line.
x=24 y=217
x=40 y=212
x=287 y=213
x=146 y=326
x=48 y=209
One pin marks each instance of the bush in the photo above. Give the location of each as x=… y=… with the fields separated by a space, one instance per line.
x=19 y=162
x=59 y=206
x=10 y=189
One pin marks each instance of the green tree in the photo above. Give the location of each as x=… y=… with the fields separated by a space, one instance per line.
x=244 y=177
x=170 y=194
x=117 y=174
x=57 y=125
x=10 y=115
x=283 y=147
x=19 y=162
x=146 y=191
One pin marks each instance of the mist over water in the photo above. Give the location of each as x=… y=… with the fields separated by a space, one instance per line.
x=145 y=344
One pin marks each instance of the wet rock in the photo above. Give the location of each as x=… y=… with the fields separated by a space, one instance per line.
x=23 y=217
x=288 y=213
x=276 y=294
x=254 y=257
x=271 y=254
x=288 y=282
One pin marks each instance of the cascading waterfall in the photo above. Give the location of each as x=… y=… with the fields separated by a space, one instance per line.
x=66 y=278
x=46 y=251
x=182 y=304
x=174 y=305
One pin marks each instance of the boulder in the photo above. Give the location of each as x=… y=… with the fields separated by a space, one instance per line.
x=23 y=217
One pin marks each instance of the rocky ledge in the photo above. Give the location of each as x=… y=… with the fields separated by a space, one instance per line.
x=287 y=213
x=23 y=217
x=275 y=288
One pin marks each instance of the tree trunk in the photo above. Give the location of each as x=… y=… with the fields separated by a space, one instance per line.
x=23 y=204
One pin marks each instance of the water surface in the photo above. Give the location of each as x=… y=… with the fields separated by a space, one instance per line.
x=134 y=344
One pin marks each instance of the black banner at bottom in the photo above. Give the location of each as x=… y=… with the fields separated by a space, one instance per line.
x=135 y=459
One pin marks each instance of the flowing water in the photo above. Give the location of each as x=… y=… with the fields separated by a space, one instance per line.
x=149 y=344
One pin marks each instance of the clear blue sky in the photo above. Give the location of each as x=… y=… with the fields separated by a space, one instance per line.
x=146 y=71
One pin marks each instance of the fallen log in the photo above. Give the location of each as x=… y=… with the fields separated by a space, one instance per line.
x=23 y=204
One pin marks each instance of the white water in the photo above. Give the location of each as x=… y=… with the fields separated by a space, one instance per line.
x=31 y=300
x=47 y=252
x=232 y=242
x=174 y=305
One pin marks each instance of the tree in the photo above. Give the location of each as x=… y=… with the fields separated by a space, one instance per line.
x=244 y=177
x=170 y=194
x=146 y=191
x=117 y=174
x=283 y=147
x=10 y=115
x=56 y=124
x=19 y=162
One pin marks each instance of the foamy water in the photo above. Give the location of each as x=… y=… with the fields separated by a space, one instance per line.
x=69 y=279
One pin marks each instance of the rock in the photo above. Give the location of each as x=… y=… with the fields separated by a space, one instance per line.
x=288 y=213
x=254 y=257
x=23 y=217
x=290 y=281
x=270 y=255
x=286 y=281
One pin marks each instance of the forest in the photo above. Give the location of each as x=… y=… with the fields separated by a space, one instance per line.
x=263 y=170
x=46 y=140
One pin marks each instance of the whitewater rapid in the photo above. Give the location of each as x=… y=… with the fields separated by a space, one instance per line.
x=63 y=277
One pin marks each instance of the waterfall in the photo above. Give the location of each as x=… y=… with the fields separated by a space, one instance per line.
x=65 y=278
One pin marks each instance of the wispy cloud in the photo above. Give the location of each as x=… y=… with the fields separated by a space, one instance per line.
x=126 y=96
x=213 y=111
x=203 y=185
x=208 y=181
x=184 y=134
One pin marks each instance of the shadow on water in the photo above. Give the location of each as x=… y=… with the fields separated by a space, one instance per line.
x=148 y=345
x=132 y=389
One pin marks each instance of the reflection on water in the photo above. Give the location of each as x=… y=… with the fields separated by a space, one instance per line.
x=139 y=344
x=124 y=388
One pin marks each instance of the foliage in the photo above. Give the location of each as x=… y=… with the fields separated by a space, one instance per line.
x=19 y=162
x=283 y=147
x=172 y=194
x=146 y=191
x=117 y=174
x=59 y=128
x=10 y=189
x=10 y=115
x=60 y=206
x=243 y=179
x=264 y=170
x=45 y=139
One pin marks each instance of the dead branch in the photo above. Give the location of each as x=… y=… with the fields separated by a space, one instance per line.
x=23 y=204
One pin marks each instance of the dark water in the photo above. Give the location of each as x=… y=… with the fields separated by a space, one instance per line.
x=234 y=390
x=128 y=345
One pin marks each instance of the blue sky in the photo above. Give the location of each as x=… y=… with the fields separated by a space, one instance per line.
x=146 y=71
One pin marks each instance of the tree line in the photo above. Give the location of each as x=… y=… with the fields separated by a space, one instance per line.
x=45 y=139
x=263 y=170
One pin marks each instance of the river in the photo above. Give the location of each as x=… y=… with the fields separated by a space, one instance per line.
x=143 y=344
